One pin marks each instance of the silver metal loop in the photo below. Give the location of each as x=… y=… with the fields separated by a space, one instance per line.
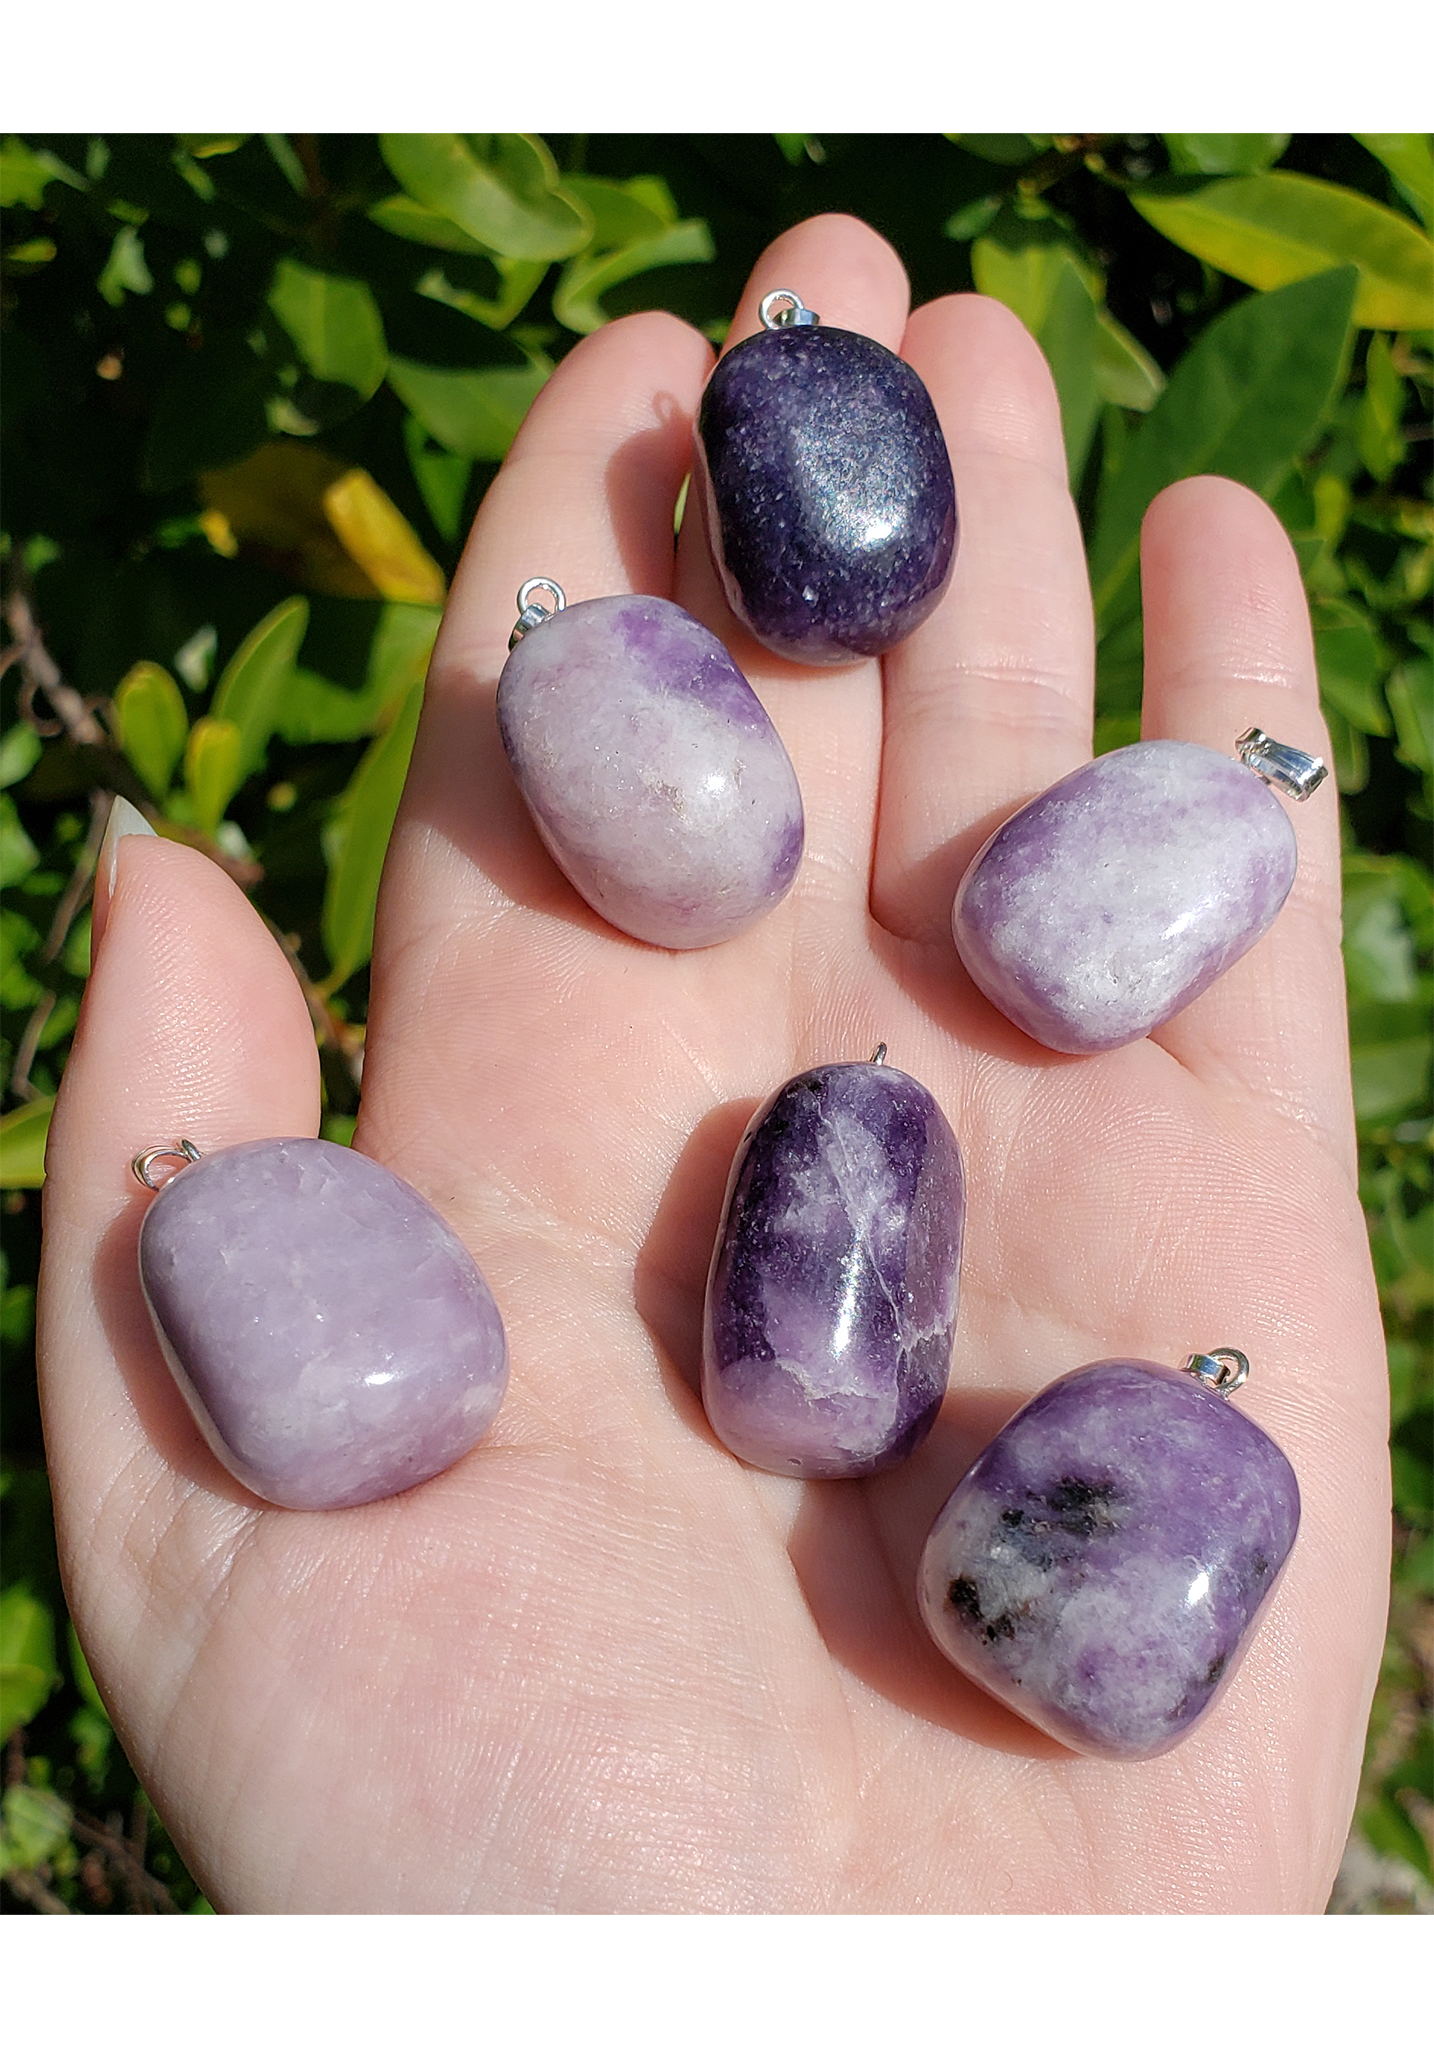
x=792 y=312
x=530 y=614
x=183 y=1149
x=1223 y=1372
x=1285 y=768
x=878 y=1058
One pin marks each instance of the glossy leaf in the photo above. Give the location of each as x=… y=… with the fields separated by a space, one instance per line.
x=1224 y=155
x=20 y=749
x=471 y=412
x=375 y=534
x=153 y=725
x=1381 y=444
x=125 y=270
x=333 y=323
x=28 y=1672
x=1352 y=664
x=441 y=478
x=1278 y=227
x=518 y=280
x=577 y=296
x=1243 y=402
x=357 y=840
x=23 y=1136
x=1409 y=160
x=252 y=687
x=18 y=852
x=315 y=709
x=273 y=504
x=1410 y=692
x=213 y=769
x=24 y=174
x=1045 y=284
x=1124 y=373
x=415 y=222
x=506 y=198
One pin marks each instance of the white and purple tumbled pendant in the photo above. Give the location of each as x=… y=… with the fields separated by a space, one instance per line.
x=831 y=1302
x=826 y=488
x=1102 y=1566
x=329 y=1332
x=654 y=777
x=1115 y=898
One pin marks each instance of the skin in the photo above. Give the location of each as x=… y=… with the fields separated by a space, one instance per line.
x=600 y=1666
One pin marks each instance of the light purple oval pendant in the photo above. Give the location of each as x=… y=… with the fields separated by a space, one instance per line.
x=831 y=1303
x=331 y=1335
x=1102 y=1566
x=1114 y=899
x=656 y=780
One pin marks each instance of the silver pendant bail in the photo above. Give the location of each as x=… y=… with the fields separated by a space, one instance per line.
x=530 y=614
x=144 y=1163
x=1298 y=774
x=784 y=309
x=1223 y=1372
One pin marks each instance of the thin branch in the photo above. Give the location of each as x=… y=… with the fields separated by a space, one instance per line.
x=76 y=894
x=41 y=674
x=29 y=1890
x=335 y=1035
x=113 y=1845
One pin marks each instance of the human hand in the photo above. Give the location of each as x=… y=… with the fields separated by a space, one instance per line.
x=599 y=1665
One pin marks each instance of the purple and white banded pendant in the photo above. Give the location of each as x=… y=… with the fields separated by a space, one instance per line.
x=654 y=777
x=825 y=487
x=1103 y=1565
x=831 y=1301
x=1114 y=899
x=330 y=1333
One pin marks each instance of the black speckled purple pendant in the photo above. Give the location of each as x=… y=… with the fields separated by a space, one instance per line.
x=826 y=488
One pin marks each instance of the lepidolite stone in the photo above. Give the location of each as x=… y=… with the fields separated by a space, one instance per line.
x=831 y=1303
x=827 y=492
x=656 y=780
x=1102 y=1565
x=333 y=1338
x=1115 y=898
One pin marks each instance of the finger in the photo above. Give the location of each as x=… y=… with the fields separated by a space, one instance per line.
x=990 y=700
x=192 y=1026
x=1227 y=646
x=829 y=718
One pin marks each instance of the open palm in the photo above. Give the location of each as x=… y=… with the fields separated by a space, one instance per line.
x=600 y=1666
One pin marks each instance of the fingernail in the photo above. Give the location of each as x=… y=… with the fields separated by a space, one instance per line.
x=124 y=818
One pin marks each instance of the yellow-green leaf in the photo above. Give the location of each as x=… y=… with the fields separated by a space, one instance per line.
x=1124 y=373
x=1224 y=155
x=471 y=412
x=254 y=682
x=504 y=192
x=1050 y=290
x=576 y=299
x=1377 y=427
x=23 y=1135
x=28 y=1673
x=1280 y=226
x=378 y=537
x=357 y=840
x=1409 y=160
x=334 y=324
x=153 y=725
x=213 y=769
x=36 y=1825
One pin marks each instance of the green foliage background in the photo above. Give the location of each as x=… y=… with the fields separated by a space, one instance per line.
x=254 y=389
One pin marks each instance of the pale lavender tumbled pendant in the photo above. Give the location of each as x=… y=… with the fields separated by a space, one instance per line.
x=826 y=488
x=1102 y=1566
x=655 y=778
x=1115 y=898
x=332 y=1336
x=831 y=1302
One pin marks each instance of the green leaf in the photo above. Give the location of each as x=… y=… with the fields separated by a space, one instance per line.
x=36 y=1826
x=18 y=939
x=1381 y=445
x=213 y=769
x=23 y=1134
x=1410 y=694
x=1243 y=401
x=1222 y=155
x=315 y=709
x=153 y=725
x=1352 y=663
x=1409 y=160
x=579 y=290
x=125 y=270
x=334 y=324
x=1379 y=951
x=1389 y=1829
x=1124 y=373
x=18 y=853
x=357 y=840
x=1003 y=149
x=406 y=217
x=471 y=412
x=622 y=212
x=1390 y=1059
x=20 y=749
x=24 y=174
x=518 y=280
x=442 y=478
x=1278 y=227
x=503 y=192
x=973 y=218
x=28 y=1672
x=1046 y=285
x=210 y=413
x=253 y=685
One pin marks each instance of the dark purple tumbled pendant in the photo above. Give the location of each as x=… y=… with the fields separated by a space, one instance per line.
x=831 y=1303
x=330 y=1333
x=826 y=488
x=1102 y=1566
